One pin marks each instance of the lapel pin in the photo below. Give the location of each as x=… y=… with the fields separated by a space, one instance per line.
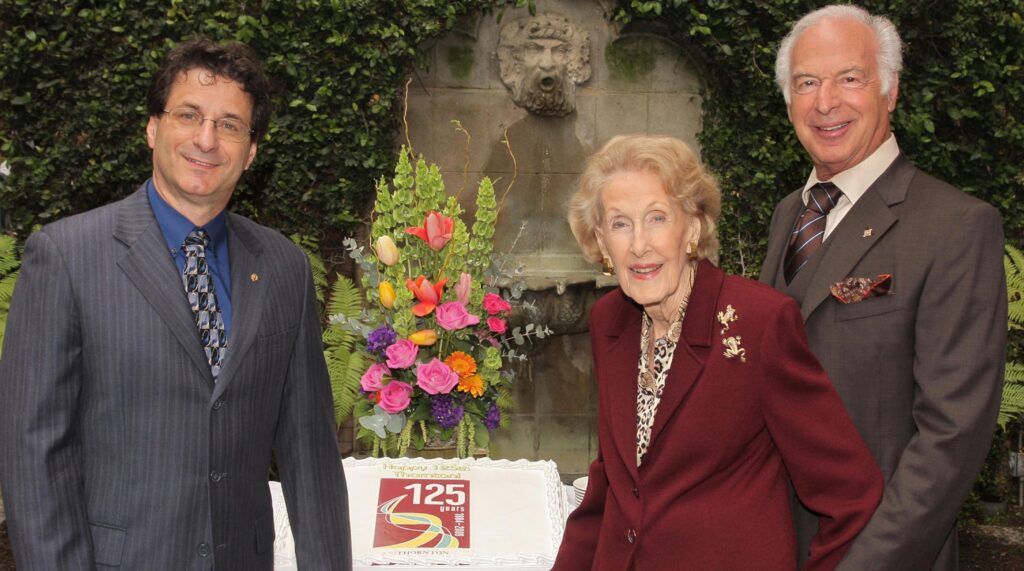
x=867 y=233
x=254 y=278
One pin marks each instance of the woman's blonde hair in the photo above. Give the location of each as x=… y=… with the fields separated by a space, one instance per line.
x=682 y=175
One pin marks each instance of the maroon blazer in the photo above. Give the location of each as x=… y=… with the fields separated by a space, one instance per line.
x=712 y=492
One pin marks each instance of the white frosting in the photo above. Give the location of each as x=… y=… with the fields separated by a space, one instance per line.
x=517 y=514
x=517 y=510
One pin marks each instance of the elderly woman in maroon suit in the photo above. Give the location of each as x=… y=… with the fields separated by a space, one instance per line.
x=710 y=401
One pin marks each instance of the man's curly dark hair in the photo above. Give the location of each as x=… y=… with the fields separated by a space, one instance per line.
x=230 y=60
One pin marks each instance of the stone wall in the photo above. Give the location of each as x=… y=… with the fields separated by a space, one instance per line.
x=635 y=84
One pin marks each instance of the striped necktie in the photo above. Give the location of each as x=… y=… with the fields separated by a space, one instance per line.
x=203 y=299
x=809 y=231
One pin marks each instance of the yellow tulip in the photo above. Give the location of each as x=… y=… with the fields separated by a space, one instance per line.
x=424 y=337
x=387 y=294
x=387 y=251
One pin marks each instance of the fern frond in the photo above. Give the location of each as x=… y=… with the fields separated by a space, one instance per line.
x=8 y=254
x=1016 y=256
x=345 y=373
x=506 y=403
x=9 y=269
x=1013 y=402
x=337 y=337
x=1014 y=372
x=1013 y=264
x=7 y=289
x=345 y=298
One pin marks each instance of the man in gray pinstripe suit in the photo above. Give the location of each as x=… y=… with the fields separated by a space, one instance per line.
x=131 y=434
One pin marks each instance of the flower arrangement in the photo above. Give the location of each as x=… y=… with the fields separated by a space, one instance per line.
x=435 y=338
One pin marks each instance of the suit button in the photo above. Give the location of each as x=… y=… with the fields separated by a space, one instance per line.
x=218 y=403
x=216 y=476
x=204 y=550
x=636 y=491
x=631 y=535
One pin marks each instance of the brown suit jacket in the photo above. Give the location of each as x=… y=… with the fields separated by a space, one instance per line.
x=919 y=369
x=712 y=492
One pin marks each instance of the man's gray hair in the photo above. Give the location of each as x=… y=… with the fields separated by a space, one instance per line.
x=890 y=47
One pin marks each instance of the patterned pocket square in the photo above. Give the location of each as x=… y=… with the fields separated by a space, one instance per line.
x=852 y=290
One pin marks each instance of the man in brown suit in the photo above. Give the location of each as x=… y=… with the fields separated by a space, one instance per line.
x=901 y=286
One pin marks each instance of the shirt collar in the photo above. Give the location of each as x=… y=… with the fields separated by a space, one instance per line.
x=175 y=227
x=856 y=180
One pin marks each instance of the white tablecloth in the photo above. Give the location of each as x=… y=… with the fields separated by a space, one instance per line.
x=284 y=545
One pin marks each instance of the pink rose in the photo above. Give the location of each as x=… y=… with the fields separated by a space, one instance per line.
x=371 y=380
x=435 y=377
x=453 y=315
x=395 y=397
x=497 y=325
x=401 y=354
x=494 y=304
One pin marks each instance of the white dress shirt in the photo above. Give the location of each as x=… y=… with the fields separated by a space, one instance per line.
x=855 y=181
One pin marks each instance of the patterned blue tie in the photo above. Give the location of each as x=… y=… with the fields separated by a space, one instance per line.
x=203 y=299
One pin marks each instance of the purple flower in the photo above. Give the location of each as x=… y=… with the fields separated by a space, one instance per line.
x=446 y=411
x=380 y=339
x=493 y=417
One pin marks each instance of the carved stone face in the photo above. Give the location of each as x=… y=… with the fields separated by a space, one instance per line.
x=542 y=59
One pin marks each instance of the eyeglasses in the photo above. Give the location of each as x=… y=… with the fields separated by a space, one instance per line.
x=227 y=128
x=806 y=84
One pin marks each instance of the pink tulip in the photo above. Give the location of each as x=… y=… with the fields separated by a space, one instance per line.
x=427 y=293
x=395 y=397
x=462 y=288
x=453 y=315
x=371 y=380
x=435 y=377
x=436 y=230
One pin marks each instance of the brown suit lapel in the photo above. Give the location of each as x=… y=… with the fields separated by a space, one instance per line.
x=148 y=265
x=847 y=244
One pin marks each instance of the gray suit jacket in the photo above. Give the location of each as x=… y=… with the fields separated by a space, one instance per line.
x=116 y=447
x=920 y=369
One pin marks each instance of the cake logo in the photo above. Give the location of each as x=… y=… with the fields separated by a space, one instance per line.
x=416 y=513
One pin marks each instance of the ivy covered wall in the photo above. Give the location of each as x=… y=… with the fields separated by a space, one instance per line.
x=73 y=78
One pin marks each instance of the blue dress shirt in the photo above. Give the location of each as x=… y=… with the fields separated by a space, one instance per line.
x=176 y=227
